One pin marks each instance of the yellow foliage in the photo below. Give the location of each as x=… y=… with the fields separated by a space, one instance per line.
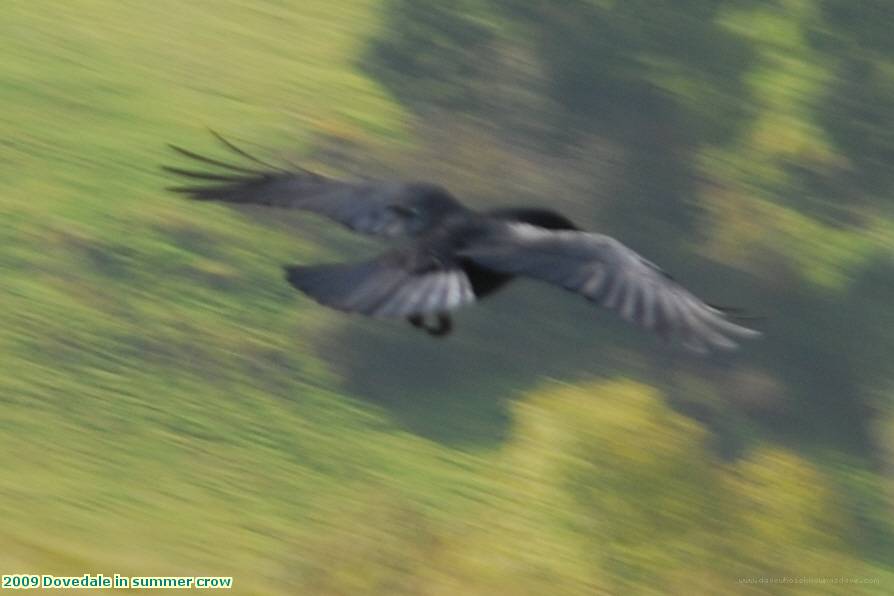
x=611 y=490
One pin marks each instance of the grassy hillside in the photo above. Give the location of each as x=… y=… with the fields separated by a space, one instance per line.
x=161 y=406
x=164 y=405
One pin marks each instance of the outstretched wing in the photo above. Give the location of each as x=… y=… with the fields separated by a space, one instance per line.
x=612 y=275
x=378 y=208
x=398 y=284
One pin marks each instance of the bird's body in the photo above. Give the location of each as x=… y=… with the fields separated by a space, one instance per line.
x=456 y=256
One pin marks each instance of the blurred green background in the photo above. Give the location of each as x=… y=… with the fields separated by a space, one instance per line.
x=169 y=406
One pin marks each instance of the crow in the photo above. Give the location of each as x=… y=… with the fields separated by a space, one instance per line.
x=455 y=256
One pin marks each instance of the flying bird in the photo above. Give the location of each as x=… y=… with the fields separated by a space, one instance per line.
x=454 y=256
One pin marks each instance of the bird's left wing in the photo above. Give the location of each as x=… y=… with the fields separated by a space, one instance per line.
x=369 y=207
x=606 y=272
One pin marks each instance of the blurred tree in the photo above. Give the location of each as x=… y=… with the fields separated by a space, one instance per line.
x=856 y=40
x=430 y=50
x=612 y=469
x=753 y=133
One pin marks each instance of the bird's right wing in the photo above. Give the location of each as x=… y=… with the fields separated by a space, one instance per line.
x=367 y=207
x=399 y=284
x=608 y=273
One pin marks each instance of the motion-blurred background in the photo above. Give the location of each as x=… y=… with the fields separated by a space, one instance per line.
x=169 y=406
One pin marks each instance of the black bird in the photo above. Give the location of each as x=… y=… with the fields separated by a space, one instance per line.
x=456 y=256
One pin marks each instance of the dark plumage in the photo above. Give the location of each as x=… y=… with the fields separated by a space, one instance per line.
x=455 y=255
